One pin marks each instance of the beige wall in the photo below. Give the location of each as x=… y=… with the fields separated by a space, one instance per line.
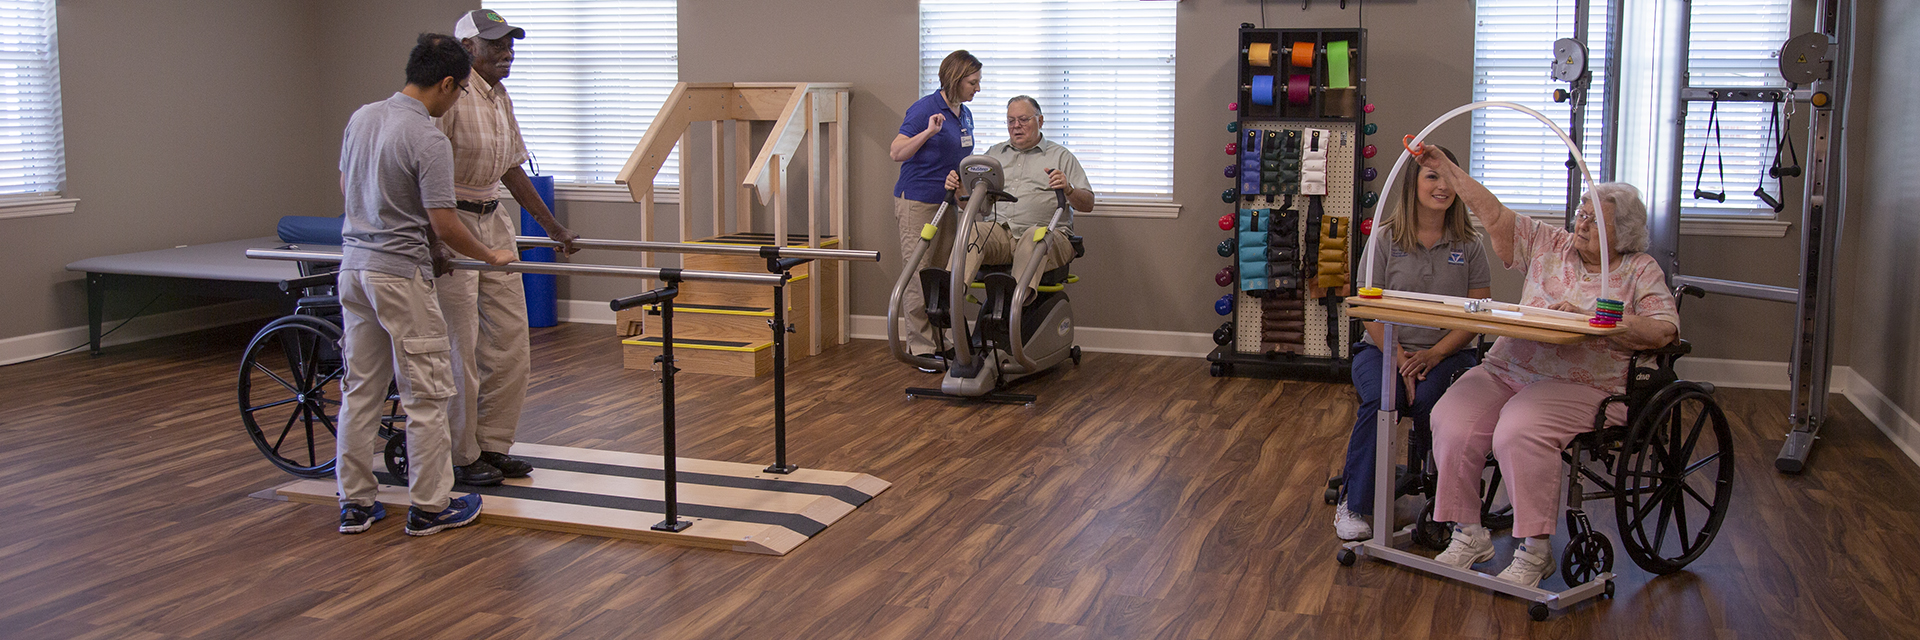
x=236 y=120
x=1879 y=306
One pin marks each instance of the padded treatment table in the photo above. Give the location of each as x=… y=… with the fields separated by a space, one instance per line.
x=220 y=269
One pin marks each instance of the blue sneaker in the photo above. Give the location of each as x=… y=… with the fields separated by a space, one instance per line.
x=355 y=518
x=460 y=512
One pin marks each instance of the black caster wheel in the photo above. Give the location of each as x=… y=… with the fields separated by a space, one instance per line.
x=1587 y=556
x=1537 y=611
x=1346 y=557
x=1075 y=354
x=1609 y=592
x=1216 y=369
x=396 y=456
x=1332 y=496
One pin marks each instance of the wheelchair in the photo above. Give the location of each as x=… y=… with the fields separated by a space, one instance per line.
x=289 y=384
x=1014 y=335
x=1668 y=467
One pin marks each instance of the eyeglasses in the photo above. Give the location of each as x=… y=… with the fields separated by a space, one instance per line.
x=1583 y=216
x=1013 y=120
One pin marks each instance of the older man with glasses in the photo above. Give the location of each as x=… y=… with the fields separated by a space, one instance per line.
x=1034 y=167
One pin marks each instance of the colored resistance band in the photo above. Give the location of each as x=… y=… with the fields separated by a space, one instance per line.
x=1299 y=88
x=1337 y=65
x=1260 y=54
x=1263 y=90
x=1302 y=53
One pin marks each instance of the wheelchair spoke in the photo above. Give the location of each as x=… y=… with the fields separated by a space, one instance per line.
x=331 y=377
x=1700 y=463
x=328 y=423
x=310 y=351
x=270 y=405
x=1698 y=498
x=1680 y=520
x=309 y=421
x=291 y=418
x=276 y=377
x=1699 y=426
x=1660 y=526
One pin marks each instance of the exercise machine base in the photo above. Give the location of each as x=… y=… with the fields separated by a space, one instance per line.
x=996 y=397
x=723 y=505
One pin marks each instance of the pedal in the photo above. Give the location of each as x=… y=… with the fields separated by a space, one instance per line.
x=996 y=308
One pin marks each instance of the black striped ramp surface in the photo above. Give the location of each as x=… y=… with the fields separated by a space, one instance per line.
x=731 y=505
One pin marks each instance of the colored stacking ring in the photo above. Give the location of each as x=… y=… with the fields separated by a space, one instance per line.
x=1372 y=293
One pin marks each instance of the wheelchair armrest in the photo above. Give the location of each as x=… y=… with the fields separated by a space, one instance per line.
x=1679 y=347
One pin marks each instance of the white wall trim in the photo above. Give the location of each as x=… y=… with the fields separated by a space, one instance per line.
x=1131 y=208
x=585 y=311
x=34 y=207
x=158 y=325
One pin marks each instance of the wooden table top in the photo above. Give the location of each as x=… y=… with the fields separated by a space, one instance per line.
x=1446 y=316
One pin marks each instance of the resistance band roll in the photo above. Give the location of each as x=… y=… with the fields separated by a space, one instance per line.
x=1299 y=86
x=1263 y=90
x=1302 y=54
x=1337 y=65
x=1260 y=54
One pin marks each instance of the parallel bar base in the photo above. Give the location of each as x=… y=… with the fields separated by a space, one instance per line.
x=996 y=397
x=723 y=505
x=1793 y=455
x=1554 y=600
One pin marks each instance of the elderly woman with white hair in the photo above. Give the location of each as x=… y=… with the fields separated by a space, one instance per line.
x=1528 y=400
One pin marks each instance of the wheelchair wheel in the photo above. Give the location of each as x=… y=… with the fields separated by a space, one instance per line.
x=395 y=455
x=1675 y=474
x=286 y=377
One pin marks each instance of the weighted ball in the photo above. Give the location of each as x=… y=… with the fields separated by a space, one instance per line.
x=1369 y=174
x=1224 y=305
x=1369 y=128
x=1233 y=127
x=1366 y=227
x=1225 y=248
x=1232 y=170
x=1369 y=199
x=1224 y=277
x=1368 y=151
x=1233 y=148
x=1224 y=334
x=1226 y=222
x=1227 y=196
x=1368 y=108
x=1233 y=106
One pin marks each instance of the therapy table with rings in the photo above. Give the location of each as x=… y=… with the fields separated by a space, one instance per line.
x=726 y=505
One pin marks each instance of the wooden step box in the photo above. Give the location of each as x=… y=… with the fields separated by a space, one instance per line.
x=722 y=328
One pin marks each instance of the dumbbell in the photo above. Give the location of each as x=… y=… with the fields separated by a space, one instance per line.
x=1226 y=248
x=1224 y=277
x=1224 y=334
x=1224 y=305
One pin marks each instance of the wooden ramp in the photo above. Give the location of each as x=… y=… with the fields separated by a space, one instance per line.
x=733 y=506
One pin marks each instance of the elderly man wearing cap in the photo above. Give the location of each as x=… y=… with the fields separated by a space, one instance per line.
x=486 y=312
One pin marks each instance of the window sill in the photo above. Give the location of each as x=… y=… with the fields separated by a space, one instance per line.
x=1131 y=208
x=36 y=206
x=1708 y=226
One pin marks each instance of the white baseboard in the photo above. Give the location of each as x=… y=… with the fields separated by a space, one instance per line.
x=585 y=311
x=1896 y=423
x=1740 y=374
x=158 y=325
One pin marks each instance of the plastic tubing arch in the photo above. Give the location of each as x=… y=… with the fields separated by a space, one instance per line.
x=1606 y=247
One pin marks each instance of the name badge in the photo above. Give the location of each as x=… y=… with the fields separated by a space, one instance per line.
x=966 y=138
x=1457 y=257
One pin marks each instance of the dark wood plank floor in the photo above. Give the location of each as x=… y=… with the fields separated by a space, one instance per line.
x=1140 y=499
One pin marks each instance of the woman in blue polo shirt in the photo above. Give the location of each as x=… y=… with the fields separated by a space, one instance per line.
x=1430 y=247
x=936 y=135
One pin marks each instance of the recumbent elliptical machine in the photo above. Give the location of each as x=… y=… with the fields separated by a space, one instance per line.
x=1024 y=325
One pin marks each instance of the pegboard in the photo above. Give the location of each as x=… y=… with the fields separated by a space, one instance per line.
x=1342 y=157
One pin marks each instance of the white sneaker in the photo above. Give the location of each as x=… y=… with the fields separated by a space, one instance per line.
x=1349 y=525
x=1467 y=549
x=1528 y=568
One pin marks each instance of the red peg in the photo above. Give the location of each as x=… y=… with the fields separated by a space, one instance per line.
x=1233 y=148
x=1226 y=222
x=1224 y=277
x=1368 y=151
x=1233 y=106
x=1366 y=227
x=1368 y=108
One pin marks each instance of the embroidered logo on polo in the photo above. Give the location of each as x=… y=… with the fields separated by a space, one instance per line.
x=1457 y=257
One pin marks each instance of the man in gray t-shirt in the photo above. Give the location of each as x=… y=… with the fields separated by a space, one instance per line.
x=396 y=171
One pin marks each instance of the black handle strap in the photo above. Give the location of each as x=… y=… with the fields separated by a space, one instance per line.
x=1713 y=126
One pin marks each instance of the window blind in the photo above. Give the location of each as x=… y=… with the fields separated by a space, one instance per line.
x=1102 y=71
x=32 y=148
x=587 y=81
x=1516 y=157
x=1733 y=43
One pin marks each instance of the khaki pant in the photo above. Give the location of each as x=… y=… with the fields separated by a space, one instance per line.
x=394 y=324
x=486 y=315
x=993 y=243
x=914 y=215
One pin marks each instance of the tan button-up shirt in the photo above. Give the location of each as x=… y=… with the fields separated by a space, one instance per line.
x=486 y=139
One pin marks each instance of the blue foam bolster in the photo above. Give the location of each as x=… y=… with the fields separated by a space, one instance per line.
x=309 y=229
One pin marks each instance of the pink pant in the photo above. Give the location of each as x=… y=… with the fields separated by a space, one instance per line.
x=1525 y=426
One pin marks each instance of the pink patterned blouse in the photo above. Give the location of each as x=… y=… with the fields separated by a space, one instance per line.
x=1554 y=273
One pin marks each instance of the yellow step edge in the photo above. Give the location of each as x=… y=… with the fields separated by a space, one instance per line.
x=654 y=309
x=651 y=341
